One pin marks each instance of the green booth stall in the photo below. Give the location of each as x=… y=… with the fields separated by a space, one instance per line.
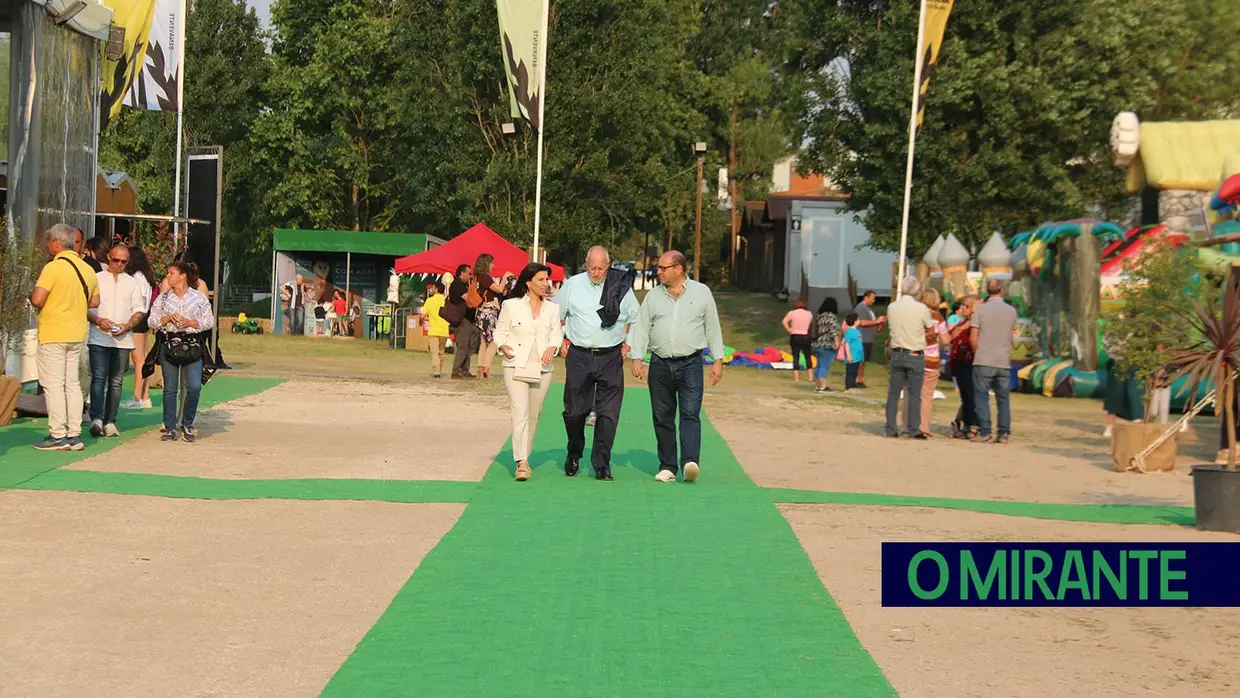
x=359 y=262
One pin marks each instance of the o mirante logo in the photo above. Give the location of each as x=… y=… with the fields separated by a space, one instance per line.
x=1061 y=574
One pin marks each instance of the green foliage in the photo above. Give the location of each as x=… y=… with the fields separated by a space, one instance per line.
x=1160 y=291
x=20 y=262
x=1018 y=111
x=226 y=66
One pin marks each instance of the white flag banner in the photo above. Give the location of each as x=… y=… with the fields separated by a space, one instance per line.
x=524 y=49
x=155 y=87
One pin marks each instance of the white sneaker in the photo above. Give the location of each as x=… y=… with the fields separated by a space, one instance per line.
x=691 y=471
x=1107 y=432
x=131 y=404
x=146 y=404
x=665 y=476
x=111 y=430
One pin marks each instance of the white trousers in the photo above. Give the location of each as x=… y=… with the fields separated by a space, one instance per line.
x=59 y=365
x=526 y=400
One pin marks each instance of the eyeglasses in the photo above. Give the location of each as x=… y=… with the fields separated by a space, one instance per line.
x=665 y=267
x=115 y=260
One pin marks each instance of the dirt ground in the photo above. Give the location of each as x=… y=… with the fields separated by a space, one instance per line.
x=332 y=429
x=823 y=444
x=1015 y=652
x=139 y=596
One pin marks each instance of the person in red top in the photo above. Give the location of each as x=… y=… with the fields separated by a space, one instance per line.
x=962 y=368
x=341 y=309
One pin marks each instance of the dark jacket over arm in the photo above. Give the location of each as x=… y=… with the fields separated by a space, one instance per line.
x=617 y=284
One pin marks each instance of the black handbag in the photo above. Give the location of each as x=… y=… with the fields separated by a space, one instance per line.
x=453 y=313
x=183 y=348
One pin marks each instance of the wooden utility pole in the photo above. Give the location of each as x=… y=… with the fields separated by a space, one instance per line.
x=735 y=218
x=697 y=235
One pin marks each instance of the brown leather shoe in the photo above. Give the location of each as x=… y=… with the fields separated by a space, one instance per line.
x=523 y=471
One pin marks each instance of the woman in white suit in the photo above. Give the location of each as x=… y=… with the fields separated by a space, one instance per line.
x=529 y=335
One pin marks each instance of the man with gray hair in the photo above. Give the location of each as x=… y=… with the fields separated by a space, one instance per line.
x=65 y=291
x=597 y=307
x=994 y=322
x=909 y=319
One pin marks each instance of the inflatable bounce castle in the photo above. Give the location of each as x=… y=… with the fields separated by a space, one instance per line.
x=1182 y=171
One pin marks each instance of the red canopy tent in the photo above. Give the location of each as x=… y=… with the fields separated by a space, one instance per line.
x=465 y=248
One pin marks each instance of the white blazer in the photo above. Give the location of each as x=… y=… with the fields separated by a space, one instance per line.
x=518 y=329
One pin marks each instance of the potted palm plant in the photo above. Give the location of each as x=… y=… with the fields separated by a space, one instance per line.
x=1212 y=359
x=1157 y=313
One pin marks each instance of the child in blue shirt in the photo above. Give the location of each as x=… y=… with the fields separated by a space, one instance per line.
x=854 y=352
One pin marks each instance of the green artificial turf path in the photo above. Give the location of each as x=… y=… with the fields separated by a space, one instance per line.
x=562 y=586
x=559 y=586
x=19 y=462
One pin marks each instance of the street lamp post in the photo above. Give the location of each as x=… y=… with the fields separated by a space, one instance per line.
x=700 y=149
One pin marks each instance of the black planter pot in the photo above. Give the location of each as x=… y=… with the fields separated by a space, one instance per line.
x=1216 y=498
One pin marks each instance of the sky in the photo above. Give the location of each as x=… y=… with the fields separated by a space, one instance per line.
x=263 y=8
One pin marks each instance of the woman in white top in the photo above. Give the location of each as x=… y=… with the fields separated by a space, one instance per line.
x=528 y=334
x=181 y=310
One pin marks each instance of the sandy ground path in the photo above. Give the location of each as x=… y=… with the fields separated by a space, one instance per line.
x=124 y=595
x=331 y=429
x=826 y=446
x=142 y=596
x=1012 y=651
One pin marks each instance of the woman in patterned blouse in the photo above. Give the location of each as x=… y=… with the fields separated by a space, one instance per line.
x=826 y=342
x=181 y=310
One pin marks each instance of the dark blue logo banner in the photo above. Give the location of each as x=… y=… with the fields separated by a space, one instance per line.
x=1061 y=574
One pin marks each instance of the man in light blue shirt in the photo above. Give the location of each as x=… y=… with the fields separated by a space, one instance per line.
x=597 y=307
x=677 y=321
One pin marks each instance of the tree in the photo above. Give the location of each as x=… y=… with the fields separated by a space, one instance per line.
x=226 y=66
x=618 y=116
x=329 y=108
x=735 y=50
x=1017 y=115
x=1160 y=290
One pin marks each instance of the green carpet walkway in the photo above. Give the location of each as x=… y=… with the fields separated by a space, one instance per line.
x=565 y=586
x=19 y=462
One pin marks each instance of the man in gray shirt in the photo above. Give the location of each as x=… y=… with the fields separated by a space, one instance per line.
x=991 y=336
x=868 y=325
x=676 y=322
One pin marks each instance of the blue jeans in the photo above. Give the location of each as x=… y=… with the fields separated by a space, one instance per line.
x=676 y=386
x=907 y=373
x=107 y=370
x=985 y=379
x=193 y=387
x=825 y=358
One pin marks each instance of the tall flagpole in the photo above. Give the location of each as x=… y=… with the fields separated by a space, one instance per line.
x=176 y=187
x=542 y=103
x=912 y=138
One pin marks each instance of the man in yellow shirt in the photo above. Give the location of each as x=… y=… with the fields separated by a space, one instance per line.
x=66 y=288
x=436 y=328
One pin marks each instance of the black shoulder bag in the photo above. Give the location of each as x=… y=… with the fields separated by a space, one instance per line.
x=81 y=279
